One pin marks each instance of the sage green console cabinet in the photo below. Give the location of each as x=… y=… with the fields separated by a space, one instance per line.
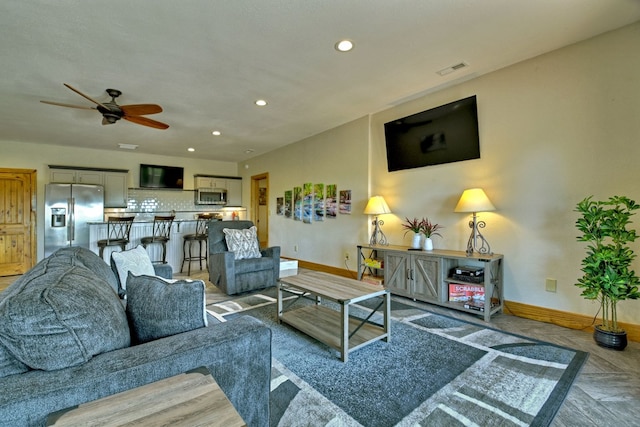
x=429 y=276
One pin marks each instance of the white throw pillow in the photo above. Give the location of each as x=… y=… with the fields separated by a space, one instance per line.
x=136 y=261
x=243 y=243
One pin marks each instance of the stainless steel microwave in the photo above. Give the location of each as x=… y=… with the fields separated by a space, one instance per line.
x=211 y=196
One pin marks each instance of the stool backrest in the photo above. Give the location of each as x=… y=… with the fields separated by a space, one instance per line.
x=162 y=225
x=118 y=227
x=202 y=224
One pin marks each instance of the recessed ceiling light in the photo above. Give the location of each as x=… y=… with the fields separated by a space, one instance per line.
x=249 y=150
x=191 y=149
x=261 y=102
x=344 y=46
x=216 y=133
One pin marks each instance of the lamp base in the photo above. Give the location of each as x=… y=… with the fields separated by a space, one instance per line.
x=377 y=236
x=477 y=242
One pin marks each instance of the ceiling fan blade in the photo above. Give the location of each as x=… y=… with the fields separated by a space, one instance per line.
x=68 y=105
x=146 y=122
x=85 y=96
x=140 y=109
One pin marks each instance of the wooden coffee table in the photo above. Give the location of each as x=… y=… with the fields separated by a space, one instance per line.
x=189 y=399
x=335 y=328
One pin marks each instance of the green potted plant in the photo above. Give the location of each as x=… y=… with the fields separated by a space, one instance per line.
x=608 y=276
x=429 y=230
x=414 y=225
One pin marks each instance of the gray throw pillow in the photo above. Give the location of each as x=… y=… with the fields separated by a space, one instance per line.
x=158 y=307
x=59 y=316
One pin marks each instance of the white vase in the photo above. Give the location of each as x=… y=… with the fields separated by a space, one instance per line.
x=428 y=244
x=415 y=244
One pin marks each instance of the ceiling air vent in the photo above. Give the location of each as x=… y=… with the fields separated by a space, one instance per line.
x=452 y=68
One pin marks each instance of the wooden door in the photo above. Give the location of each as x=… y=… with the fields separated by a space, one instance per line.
x=17 y=221
x=260 y=206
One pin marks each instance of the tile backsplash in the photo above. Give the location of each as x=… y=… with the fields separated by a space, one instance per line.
x=146 y=203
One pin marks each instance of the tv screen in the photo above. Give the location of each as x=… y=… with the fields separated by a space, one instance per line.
x=154 y=176
x=444 y=134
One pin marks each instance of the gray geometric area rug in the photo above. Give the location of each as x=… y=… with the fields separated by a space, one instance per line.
x=434 y=371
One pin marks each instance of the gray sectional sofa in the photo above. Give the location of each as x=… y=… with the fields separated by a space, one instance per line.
x=66 y=339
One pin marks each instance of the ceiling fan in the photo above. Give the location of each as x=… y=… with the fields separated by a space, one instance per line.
x=112 y=112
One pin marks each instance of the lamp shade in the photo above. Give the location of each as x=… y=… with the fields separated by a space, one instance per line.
x=474 y=200
x=377 y=206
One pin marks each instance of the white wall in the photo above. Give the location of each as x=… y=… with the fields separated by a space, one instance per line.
x=553 y=130
x=338 y=156
x=38 y=156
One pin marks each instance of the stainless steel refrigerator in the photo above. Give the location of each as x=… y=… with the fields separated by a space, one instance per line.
x=69 y=208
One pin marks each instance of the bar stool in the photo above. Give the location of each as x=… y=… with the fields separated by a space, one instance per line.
x=200 y=236
x=118 y=229
x=161 y=234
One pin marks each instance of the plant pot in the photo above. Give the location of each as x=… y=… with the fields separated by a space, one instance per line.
x=608 y=339
x=428 y=244
x=415 y=243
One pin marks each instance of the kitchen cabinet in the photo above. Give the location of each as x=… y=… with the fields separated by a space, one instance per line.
x=433 y=277
x=114 y=181
x=234 y=192
x=210 y=182
x=115 y=190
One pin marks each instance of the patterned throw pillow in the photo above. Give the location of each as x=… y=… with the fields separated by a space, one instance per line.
x=243 y=243
x=158 y=307
x=136 y=261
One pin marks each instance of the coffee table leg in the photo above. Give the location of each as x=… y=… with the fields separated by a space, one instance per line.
x=279 y=287
x=344 y=339
x=387 y=316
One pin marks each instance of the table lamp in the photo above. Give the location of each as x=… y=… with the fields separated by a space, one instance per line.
x=475 y=200
x=377 y=206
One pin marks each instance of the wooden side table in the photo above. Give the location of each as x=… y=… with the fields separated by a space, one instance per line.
x=190 y=399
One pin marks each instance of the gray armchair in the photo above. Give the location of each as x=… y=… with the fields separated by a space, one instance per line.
x=233 y=276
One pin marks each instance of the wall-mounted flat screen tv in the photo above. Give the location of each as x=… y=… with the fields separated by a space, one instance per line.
x=444 y=134
x=155 y=176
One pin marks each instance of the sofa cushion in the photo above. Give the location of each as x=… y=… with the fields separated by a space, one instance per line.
x=86 y=258
x=158 y=307
x=134 y=260
x=9 y=365
x=58 y=316
x=243 y=243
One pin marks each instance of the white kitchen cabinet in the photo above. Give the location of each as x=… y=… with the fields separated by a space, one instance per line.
x=114 y=182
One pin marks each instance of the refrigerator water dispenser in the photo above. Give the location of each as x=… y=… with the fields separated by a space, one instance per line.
x=58 y=217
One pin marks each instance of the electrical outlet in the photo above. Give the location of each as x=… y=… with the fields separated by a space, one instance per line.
x=346 y=256
x=551 y=285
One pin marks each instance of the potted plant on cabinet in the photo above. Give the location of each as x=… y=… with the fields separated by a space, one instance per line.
x=414 y=225
x=429 y=230
x=608 y=276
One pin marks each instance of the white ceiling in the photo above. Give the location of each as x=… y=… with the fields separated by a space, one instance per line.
x=206 y=62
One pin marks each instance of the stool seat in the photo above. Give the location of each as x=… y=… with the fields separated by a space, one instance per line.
x=118 y=229
x=161 y=233
x=201 y=236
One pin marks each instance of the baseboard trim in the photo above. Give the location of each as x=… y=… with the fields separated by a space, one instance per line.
x=565 y=319
x=541 y=314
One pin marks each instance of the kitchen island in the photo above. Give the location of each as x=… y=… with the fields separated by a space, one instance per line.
x=144 y=228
